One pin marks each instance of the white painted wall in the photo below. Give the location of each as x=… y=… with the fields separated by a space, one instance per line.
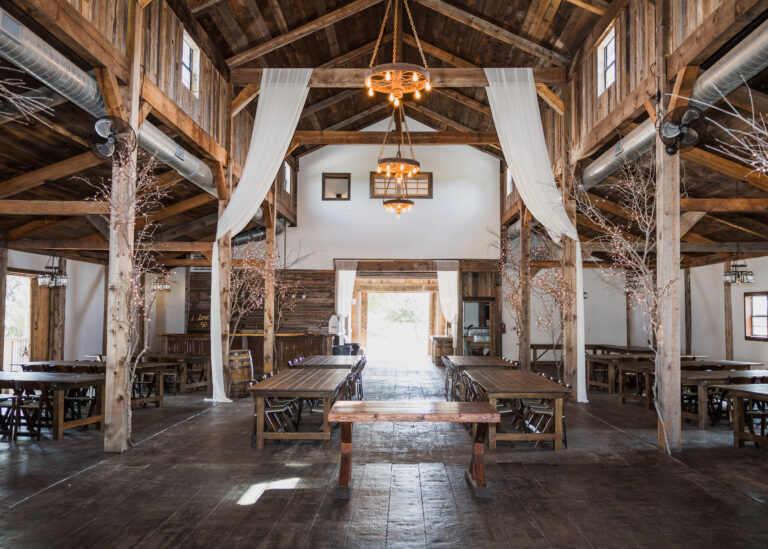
x=168 y=314
x=454 y=224
x=84 y=311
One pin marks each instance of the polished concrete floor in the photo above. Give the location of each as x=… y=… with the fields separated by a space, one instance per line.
x=192 y=480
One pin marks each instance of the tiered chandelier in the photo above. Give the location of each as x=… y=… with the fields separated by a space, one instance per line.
x=396 y=79
x=398 y=169
x=53 y=277
x=738 y=273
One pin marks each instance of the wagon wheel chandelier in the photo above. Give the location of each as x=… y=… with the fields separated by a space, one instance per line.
x=395 y=79
x=397 y=169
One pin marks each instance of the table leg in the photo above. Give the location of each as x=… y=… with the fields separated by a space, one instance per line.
x=326 y=425
x=183 y=378
x=702 y=407
x=475 y=476
x=58 y=413
x=259 y=422
x=590 y=373
x=738 y=421
x=558 y=424
x=612 y=377
x=345 y=466
x=648 y=391
x=622 y=386
x=158 y=389
x=102 y=403
x=491 y=428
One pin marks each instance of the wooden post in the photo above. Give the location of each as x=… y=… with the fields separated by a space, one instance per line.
x=56 y=312
x=458 y=330
x=728 y=311
x=667 y=262
x=3 y=278
x=688 y=312
x=225 y=270
x=524 y=330
x=569 y=315
x=120 y=273
x=628 y=312
x=270 y=217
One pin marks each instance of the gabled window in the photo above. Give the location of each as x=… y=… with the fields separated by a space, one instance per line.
x=190 y=64
x=606 y=62
x=756 y=316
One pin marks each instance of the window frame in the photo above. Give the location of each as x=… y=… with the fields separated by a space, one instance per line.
x=329 y=175
x=194 y=64
x=608 y=39
x=748 y=316
x=287 y=181
x=375 y=196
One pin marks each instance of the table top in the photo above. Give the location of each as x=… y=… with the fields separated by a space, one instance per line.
x=625 y=349
x=616 y=358
x=329 y=361
x=717 y=375
x=732 y=364
x=472 y=361
x=8 y=379
x=413 y=411
x=749 y=390
x=302 y=381
x=59 y=363
x=515 y=382
x=176 y=357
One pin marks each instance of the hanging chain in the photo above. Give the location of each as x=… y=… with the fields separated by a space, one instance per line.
x=389 y=127
x=415 y=34
x=404 y=122
x=381 y=33
x=394 y=34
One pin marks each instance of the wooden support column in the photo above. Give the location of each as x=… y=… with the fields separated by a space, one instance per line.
x=270 y=217
x=524 y=330
x=3 y=279
x=667 y=263
x=58 y=302
x=569 y=315
x=688 y=319
x=628 y=312
x=224 y=185
x=122 y=216
x=728 y=312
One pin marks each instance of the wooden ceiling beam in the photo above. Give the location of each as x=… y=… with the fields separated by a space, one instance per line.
x=300 y=32
x=55 y=171
x=189 y=227
x=758 y=205
x=244 y=98
x=550 y=98
x=725 y=166
x=102 y=245
x=688 y=221
x=52 y=207
x=200 y=6
x=732 y=247
x=749 y=100
x=378 y=108
x=315 y=108
x=180 y=207
x=30 y=228
x=494 y=31
x=376 y=138
x=598 y=7
x=44 y=97
x=439 y=77
x=441 y=54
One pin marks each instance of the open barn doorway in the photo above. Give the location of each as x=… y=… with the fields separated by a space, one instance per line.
x=398 y=324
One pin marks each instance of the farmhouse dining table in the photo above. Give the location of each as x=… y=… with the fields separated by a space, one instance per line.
x=515 y=384
x=329 y=361
x=611 y=361
x=306 y=383
x=741 y=394
x=54 y=386
x=192 y=371
x=454 y=389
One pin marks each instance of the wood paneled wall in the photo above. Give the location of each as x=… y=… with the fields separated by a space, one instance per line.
x=686 y=16
x=110 y=17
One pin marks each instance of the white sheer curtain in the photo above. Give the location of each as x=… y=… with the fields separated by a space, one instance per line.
x=345 y=288
x=515 y=110
x=448 y=288
x=281 y=99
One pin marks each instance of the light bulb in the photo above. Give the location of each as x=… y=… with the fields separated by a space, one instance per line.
x=388 y=76
x=416 y=94
x=397 y=102
x=378 y=170
x=391 y=97
x=368 y=82
x=370 y=92
x=402 y=167
x=428 y=86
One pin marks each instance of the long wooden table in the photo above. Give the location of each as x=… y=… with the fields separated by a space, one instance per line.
x=456 y=364
x=515 y=384
x=612 y=360
x=329 y=361
x=58 y=384
x=740 y=394
x=415 y=411
x=192 y=371
x=309 y=383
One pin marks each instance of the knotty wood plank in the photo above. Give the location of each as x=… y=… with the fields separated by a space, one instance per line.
x=51 y=172
x=413 y=411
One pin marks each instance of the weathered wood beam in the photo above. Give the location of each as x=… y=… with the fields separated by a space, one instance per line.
x=725 y=22
x=473 y=104
x=724 y=205
x=200 y=6
x=110 y=93
x=182 y=206
x=376 y=138
x=270 y=218
x=496 y=32
x=45 y=99
x=300 y=32
x=439 y=77
x=550 y=98
x=688 y=220
x=731 y=247
x=728 y=315
x=725 y=166
x=189 y=227
x=524 y=330
x=3 y=279
x=73 y=30
x=52 y=172
x=100 y=224
x=378 y=108
x=199 y=35
x=102 y=245
x=688 y=312
x=598 y=7
x=439 y=53
x=681 y=92
x=315 y=108
x=747 y=99
x=243 y=99
x=52 y=207
x=173 y=116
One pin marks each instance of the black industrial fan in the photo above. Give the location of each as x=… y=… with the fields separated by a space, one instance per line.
x=111 y=137
x=682 y=127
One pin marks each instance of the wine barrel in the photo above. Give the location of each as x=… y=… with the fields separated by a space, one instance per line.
x=241 y=373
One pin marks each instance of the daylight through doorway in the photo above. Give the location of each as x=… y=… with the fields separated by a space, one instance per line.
x=398 y=324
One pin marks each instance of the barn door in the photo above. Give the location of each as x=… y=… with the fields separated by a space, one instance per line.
x=40 y=324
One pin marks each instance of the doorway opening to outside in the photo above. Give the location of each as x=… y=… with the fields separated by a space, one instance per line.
x=18 y=320
x=398 y=324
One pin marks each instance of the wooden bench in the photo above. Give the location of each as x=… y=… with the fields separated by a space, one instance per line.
x=413 y=411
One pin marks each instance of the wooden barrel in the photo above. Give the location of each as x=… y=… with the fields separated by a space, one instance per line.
x=241 y=373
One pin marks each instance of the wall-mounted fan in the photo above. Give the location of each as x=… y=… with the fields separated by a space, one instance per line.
x=682 y=127
x=111 y=137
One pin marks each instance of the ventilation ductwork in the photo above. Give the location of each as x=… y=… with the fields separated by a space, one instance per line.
x=743 y=62
x=29 y=52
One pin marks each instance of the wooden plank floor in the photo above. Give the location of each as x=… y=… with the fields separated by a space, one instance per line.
x=194 y=481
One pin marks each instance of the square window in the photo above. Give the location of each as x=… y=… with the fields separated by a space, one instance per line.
x=606 y=61
x=336 y=186
x=190 y=64
x=287 y=177
x=756 y=316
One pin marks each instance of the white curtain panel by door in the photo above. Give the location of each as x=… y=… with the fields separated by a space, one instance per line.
x=515 y=110
x=448 y=288
x=346 y=271
x=281 y=99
